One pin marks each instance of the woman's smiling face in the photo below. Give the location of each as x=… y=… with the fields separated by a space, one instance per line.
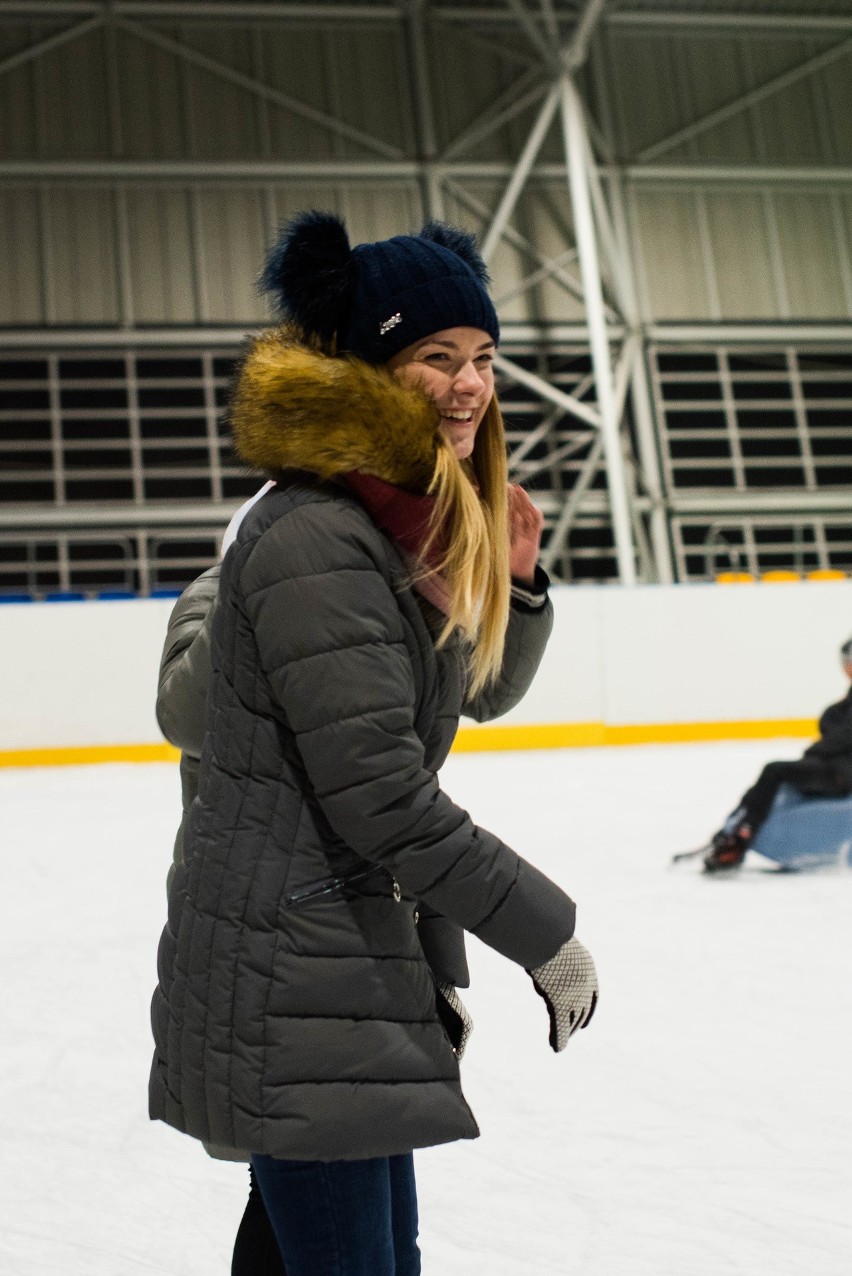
x=455 y=367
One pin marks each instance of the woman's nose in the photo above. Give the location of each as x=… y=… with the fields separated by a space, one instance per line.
x=468 y=380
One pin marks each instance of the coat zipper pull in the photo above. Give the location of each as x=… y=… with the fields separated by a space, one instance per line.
x=397 y=891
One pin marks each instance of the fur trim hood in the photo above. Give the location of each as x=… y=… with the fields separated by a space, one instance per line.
x=295 y=407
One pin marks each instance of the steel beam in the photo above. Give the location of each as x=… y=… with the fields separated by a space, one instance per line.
x=518 y=180
x=528 y=469
x=50 y=43
x=722 y=502
x=681 y=335
x=189 y=171
x=664 y=20
x=745 y=174
x=777 y=24
x=423 y=109
x=118 y=516
x=536 y=37
x=192 y=172
x=551 y=393
x=539 y=434
x=537 y=277
x=203 y=515
x=29 y=10
x=577 y=149
x=206 y=336
x=205 y=10
x=578 y=46
x=523 y=245
x=644 y=420
x=615 y=253
x=734 y=333
x=550 y=20
x=572 y=506
x=489 y=121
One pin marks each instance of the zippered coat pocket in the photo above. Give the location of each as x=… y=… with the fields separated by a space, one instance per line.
x=327 y=885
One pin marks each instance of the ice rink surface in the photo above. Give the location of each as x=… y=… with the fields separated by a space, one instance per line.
x=701 y=1126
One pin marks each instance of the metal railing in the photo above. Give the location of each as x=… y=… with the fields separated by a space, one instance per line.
x=117 y=474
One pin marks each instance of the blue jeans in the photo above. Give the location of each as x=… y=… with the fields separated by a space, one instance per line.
x=342 y=1218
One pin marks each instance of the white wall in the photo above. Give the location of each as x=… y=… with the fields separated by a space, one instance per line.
x=691 y=653
x=78 y=674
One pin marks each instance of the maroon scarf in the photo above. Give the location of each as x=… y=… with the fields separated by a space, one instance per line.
x=405 y=516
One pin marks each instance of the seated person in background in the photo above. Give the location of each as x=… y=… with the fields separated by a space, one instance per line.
x=824 y=770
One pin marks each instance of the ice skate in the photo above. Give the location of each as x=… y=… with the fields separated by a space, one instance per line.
x=727 y=850
x=704 y=849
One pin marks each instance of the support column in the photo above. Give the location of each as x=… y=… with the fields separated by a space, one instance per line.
x=576 y=150
x=643 y=411
x=431 y=195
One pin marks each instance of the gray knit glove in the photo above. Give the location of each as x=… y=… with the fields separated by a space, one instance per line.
x=452 y=1012
x=569 y=985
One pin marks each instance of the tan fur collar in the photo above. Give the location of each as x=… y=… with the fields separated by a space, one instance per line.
x=297 y=408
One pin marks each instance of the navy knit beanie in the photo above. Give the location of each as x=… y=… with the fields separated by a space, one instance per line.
x=376 y=299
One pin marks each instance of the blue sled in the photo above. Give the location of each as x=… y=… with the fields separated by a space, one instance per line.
x=807 y=832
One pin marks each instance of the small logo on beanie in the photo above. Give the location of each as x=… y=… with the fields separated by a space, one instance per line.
x=390 y=323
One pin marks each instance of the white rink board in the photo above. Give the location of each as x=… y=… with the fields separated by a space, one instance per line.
x=81 y=674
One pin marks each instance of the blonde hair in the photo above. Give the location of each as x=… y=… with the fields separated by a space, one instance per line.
x=471 y=522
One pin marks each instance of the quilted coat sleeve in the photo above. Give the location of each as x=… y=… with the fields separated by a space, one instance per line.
x=443 y=947
x=185 y=665
x=529 y=627
x=318 y=594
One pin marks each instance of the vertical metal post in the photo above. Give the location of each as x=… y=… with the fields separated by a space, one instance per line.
x=121 y=227
x=576 y=149
x=640 y=397
x=59 y=495
x=211 y=414
x=431 y=196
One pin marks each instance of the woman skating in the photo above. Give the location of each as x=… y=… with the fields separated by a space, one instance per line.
x=367 y=601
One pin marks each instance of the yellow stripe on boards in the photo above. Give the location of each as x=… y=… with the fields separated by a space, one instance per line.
x=586 y=735
x=543 y=735
x=694 y=732
x=87 y=755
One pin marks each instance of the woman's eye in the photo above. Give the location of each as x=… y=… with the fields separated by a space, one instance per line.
x=438 y=357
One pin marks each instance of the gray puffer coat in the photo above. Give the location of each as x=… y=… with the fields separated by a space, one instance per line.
x=183 y=684
x=295 y=1012
x=184 y=680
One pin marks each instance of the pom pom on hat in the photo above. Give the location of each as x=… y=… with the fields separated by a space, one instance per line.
x=311 y=274
x=461 y=242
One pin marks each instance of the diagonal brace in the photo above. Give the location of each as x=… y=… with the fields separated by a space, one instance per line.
x=744 y=101
x=257 y=87
x=545 y=390
x=50 y=42
x=534 y=35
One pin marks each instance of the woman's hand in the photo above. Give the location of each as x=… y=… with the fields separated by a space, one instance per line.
x=526 y=524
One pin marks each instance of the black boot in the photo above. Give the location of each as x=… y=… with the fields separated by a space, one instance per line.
x=727 y=850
